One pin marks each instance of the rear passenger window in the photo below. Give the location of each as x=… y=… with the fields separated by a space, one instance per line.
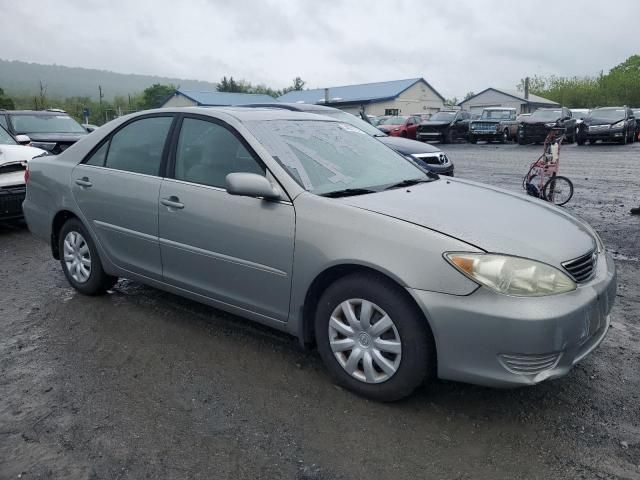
x=99 y=156
x=207 y=152
x=138 y=146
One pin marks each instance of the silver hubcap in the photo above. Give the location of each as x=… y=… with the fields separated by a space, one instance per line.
x=77 y=257
x=365 y=341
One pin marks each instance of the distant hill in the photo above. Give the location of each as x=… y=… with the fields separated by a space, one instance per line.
x=23 y=79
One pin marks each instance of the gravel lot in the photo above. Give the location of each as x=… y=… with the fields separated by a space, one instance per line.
x=143 y=384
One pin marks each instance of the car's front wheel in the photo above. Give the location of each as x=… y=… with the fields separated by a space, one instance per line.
x=80 y=260
x=372 y=338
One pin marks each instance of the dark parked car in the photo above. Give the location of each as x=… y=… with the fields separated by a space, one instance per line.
x=426 y=156
x=401 y=126
x=535 y=128
x=446 y=126
x=496 y=124
x=50 y=130
x=609 y=124
x=636 y=113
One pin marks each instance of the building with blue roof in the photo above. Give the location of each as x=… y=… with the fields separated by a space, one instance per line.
x=396 y=97
x=193 y=98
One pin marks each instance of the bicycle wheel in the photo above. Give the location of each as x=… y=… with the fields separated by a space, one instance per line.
x=558 y=190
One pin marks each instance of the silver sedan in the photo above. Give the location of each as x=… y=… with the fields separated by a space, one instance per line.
x=306 y=224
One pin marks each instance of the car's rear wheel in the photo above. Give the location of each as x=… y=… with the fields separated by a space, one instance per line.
x=504 y=138
x=80 y=260
x=372 y=339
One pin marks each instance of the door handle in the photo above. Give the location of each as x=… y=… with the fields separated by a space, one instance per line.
x=83 y=182
x=172 y=202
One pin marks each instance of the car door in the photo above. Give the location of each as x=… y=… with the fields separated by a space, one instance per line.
x=117 y=188
x=412 y=127
x=462 y=125
x=236 y=250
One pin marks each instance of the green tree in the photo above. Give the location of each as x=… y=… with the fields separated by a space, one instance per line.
x=5 y=101
x=469 y=95
x=155 y=95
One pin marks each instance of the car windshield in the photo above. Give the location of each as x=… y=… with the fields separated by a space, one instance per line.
x=608 y=114
x=546 y=114
x=579 y=114
x=497 y=114
x=355 y=121
x=394 y=121
x=5 y=138
x=45 y=124
x=325 y=157
x=443 y=117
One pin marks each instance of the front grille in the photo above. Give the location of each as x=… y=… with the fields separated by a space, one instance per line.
x=11 y=201
x=527 y=364
x=598 y=128
x=434 y=159
x=484 y=127
x=582 y=268
x=536 y=129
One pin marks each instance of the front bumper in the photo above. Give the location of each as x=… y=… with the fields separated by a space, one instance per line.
x=478 y=336
x=486 y=135
x=427 y=136
x=606 y=135
x=11 y=199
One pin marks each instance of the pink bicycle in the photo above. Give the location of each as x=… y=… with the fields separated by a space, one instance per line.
x=542 y=179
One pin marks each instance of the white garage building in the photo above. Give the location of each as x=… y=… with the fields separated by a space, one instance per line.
x=396 y=97
x=493 y=97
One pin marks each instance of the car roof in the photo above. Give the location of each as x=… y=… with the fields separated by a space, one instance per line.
x=244 y=113
x=35 y=112
x=296 y=107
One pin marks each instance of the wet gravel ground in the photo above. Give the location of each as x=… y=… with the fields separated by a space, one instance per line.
x=143 y=384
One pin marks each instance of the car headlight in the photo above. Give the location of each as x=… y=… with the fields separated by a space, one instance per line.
x=550 y=124
x=516 y=276
x=43 y=145
x=618 y=125
x=473 y=127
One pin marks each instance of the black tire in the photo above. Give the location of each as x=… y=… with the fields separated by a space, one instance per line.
x=504 y=138
x=625 y=138
x=473 y=139
x=521 y=141
x=558 y=184
x=592 y=142
x=580 y=140
x=418 y=359
x=403 y=134
x=98 y=282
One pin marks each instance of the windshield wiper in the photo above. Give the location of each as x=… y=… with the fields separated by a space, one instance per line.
x=347 y=192
x=409 y=182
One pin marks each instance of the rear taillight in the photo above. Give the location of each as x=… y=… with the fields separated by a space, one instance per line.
x=26 y=175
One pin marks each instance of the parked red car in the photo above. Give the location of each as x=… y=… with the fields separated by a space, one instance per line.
x=401 y=126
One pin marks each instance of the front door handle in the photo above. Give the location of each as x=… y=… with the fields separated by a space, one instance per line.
x=83 y=182
x=172 y=202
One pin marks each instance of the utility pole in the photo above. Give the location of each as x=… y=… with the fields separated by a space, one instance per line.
x=100 y=95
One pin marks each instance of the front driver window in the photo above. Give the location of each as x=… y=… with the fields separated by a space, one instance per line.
x=207 y=152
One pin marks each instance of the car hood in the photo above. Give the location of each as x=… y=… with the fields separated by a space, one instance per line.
x=55 y=137
x=601 y=121
x=386 y=128
x=408 y=147
x=536 y=121
x=434 y=123
x=485 y=217
x=17 y=153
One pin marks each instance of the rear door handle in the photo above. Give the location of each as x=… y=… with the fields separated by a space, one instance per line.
x=83 y=182
x=172 y=202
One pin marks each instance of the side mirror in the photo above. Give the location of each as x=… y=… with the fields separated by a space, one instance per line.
x=251 y=185
x=23 y=139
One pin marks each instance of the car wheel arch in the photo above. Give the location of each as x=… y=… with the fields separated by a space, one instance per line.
x=330 y=275
x=59 y=220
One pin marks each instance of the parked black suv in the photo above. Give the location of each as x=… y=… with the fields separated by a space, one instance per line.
x=51 y=130
x=534 y=129
x=446 y=126
x=609 y=124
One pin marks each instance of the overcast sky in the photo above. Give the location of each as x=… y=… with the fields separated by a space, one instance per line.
x=457 y=46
